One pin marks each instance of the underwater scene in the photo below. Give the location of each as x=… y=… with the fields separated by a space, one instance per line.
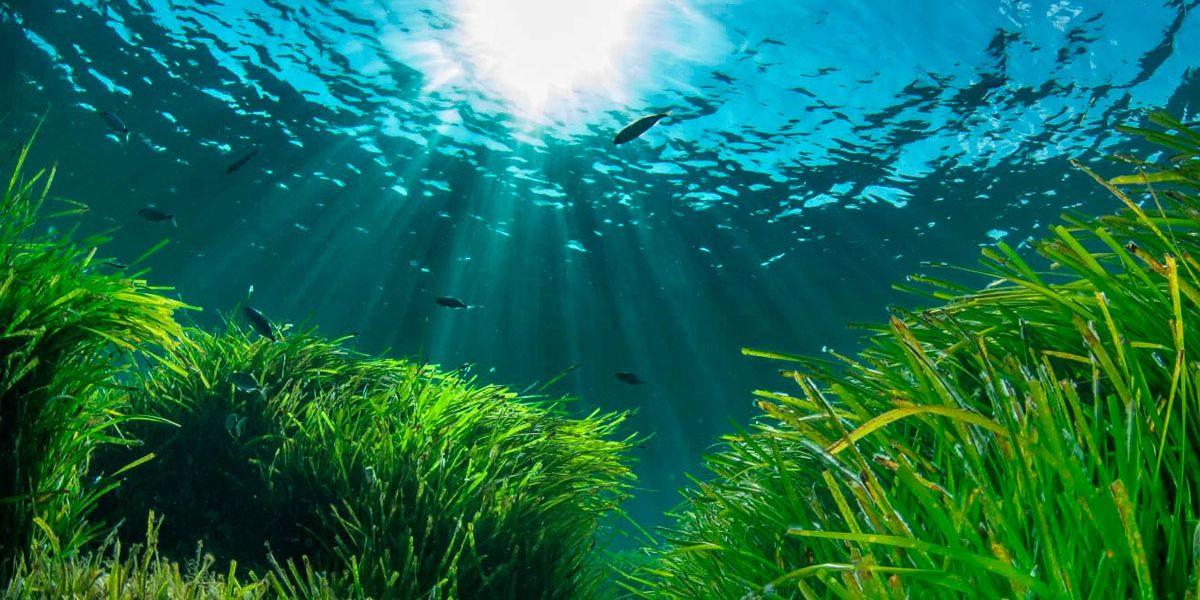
x=455 y=299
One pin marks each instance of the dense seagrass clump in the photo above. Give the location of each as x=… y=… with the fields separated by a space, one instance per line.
x=67 y=335
x=327 y=473
x=1036 y=439
x=388 y=478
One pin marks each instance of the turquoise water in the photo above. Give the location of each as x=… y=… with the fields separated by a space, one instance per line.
x=816 y=152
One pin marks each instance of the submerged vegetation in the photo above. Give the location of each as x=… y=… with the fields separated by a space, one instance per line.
x=402 y=480
x=67 y=335
x=1038 y=438
x=286 y=467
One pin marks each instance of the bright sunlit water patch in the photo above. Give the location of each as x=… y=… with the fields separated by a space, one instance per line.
x=535 y=52
x=560 y=62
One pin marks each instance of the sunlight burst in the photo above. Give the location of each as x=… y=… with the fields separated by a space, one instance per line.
x=538 y=51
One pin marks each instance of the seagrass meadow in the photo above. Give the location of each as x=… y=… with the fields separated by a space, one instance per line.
x=1033 y=439
x=289 y=468
x=1034 y=436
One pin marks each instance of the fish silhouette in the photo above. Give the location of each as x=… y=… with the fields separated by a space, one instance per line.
x=259 y=322
x=116 y=124
x=156 y=215
x=241 y=162
x=449 y=302
x=635 y=129
x=630 y=378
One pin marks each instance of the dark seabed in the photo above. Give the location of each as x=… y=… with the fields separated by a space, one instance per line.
x=356 y=160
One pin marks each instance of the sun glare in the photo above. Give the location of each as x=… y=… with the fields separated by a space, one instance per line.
x=539 y=52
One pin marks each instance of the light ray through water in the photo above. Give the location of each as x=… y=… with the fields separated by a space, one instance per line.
x=817 y=152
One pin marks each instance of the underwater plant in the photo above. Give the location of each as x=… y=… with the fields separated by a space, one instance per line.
x=141 y=571
x=395 y=479
x=329 y=473
x=68 y=332
x=1036 y=438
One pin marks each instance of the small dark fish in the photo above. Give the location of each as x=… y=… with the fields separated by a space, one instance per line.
x=630 y=378
x=243 y=381
x=120 y=266
x=635 y=129
x=235 y=425
x=259 y=322
x=115 y=123
x=449 y=302
x=241 y=162
x=155 y=215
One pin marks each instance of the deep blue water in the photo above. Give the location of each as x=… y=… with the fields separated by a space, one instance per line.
x=816 y=152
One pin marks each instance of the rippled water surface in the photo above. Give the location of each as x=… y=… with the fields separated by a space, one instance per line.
x=815 y=153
